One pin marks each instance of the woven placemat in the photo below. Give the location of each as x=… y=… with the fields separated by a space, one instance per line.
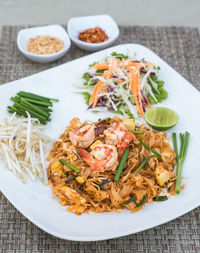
x=180 y=47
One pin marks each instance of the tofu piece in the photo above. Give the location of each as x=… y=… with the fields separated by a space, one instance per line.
x=129 y=124
x=162 y=175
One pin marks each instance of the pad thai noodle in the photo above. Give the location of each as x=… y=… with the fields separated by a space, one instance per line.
x=110 y=165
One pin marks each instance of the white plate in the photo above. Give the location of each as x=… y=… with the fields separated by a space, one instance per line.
x=35 y=200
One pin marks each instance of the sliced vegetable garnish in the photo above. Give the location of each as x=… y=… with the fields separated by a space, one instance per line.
x=132 y=199
x=70 y=180
x=180 y=157
x=70 y=165
x=143 y=164
x=142 y=201
x=121 y=165
x=101 y=185
x=152 y=150
x=160 y=198
x=137 y=132
x=123 y=85
x=37 y=106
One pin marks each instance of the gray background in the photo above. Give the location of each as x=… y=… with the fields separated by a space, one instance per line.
x=125 y=12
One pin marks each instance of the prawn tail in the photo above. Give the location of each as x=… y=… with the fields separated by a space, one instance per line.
x=89 y=159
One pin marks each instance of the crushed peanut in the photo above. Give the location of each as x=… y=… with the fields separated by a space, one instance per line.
x=94 y=35
x=44 y=45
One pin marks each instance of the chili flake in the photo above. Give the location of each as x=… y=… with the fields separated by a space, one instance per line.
x=94 y=35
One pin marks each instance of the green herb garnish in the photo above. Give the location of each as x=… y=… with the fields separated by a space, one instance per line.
x=142 y=201
x=152 y=150
x=137 y=132
x=70 y=165
x=70 y=180
x=37 y=106
x=160 y=198
x=132 y=199
x=119 y=56
x=142 y=164
x=180 y=157
x=121 y=165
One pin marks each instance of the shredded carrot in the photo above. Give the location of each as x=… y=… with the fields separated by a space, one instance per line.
x=134 y=80
x=120 y=81
x=134 y=88
x=149 y=105
x=98 y=87
x=104 y=65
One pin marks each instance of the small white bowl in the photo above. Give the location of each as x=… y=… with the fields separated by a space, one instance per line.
x=56 y=31
x=105 y=22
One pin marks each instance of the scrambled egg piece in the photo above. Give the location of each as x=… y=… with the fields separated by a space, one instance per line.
x=95 y=144
x=129 y=124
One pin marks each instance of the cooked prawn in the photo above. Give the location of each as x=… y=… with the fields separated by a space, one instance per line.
x=102 y=157
x=119 y=136
x=82 y=137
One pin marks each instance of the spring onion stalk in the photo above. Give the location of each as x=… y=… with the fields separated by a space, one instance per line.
x=121 y=165
x=152 y=150
x=33 y=107
x=160 y=198
x=180 y=157
x=137 y=132
x=132 y=199
x=101 y=185
x=142 y=201
x=38 y=102
x=34 y=96
x=70 y=165
x=142 y=164
x=70 y=180
x=37 y=106
x=23 y=110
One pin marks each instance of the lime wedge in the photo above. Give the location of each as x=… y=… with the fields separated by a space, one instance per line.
x=161 y=118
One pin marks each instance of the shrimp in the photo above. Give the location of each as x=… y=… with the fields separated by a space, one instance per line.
x=119 y=136
x=82 y=137
x=102 y=157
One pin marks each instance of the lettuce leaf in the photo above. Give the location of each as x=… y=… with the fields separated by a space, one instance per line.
x=119 y=56
x=86 y=97
x=161 y=95
x=86 y=77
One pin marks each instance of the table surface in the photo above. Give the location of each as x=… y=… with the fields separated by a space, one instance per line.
x=180 y=47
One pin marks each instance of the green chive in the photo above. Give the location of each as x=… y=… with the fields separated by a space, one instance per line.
x=142 y=201
x=33 y=114
x=101 y=185
x=70 y=165
x=70 y=180
x=143 y=164
x=32 y=96
x=33 y=107
x=132 y=199
x=152 y=150
x=160 y=198
x=137 y=132
x=38 y=102
x=121 y=165
x=180 y=158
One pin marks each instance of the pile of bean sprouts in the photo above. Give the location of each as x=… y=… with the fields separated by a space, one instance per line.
x=24 y=147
